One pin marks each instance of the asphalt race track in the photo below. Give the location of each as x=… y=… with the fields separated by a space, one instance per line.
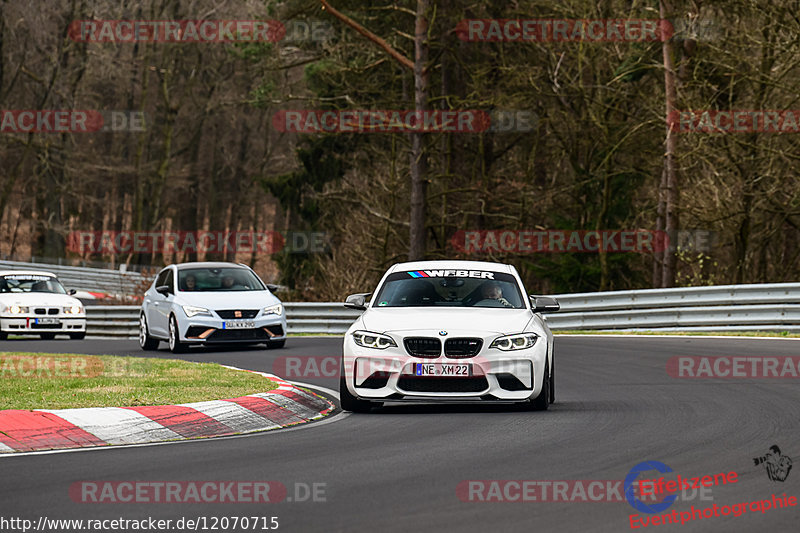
x=398 y=468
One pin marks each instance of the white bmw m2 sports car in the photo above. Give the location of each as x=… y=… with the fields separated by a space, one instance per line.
x=448 y=331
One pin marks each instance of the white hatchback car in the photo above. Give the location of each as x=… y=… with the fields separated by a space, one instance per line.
x=210 y=303
x=448 y=331
x=35 y=303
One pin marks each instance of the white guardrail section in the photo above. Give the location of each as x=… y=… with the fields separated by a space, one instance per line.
x=760 y=307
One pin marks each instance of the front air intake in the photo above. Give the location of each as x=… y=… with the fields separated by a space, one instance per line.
x=423 y=346
x=462 y=347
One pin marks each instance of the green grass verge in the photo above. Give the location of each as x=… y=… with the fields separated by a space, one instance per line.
x=778 y=334
x=61 y=381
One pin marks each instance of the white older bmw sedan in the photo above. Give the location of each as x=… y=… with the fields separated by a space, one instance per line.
x=35 y=303
x=448 y=331
x=210 y=303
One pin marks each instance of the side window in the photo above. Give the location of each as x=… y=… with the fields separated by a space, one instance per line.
x=170 y=281
x=162 y=278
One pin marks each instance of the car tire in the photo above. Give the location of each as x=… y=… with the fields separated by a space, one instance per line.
x=276 y=344
x=3 y=335
x=77 y=336
x=350 y=402
x=541 y=402
x=553 y=382
x=175 y=344
x=146 y=342
x=47 y=336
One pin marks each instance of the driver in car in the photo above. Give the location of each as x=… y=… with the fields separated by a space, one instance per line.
x=191 y=282
x=227 y=282
x=492 y=291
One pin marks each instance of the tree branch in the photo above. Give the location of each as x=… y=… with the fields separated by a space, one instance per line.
x=403 y=60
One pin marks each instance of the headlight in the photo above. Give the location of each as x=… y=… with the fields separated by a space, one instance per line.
x=276 y=309
x=373 y=340
x=73 y=310
x=16 y=309
x=519 y=341
x=191 y=311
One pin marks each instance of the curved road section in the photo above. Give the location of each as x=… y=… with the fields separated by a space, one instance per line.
x=634 y=416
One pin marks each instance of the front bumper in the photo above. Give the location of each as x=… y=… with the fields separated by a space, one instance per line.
x=390 y=374
x=211 y=330
x=31 y=325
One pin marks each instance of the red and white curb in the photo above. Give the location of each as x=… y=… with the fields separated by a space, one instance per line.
x=46 y=429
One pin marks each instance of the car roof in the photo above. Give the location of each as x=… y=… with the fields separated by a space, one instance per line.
x=209 y=264
x=26 y=273
x=452 y=265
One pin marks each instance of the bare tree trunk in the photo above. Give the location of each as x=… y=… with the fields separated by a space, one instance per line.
x=141 y=191
x=658 y=255
x=741 y=238
x=670 y=177
x=445 y=149
x=601 y=221
x=2 y=62
x=419 y=162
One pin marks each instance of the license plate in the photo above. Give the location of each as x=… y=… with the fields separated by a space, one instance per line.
x=46 y=321
x=238 y=324
x=443 y=369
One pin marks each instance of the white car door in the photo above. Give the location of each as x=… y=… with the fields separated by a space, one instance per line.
x=159 y=304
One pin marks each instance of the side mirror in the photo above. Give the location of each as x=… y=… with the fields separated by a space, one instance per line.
x=544 y=304
x=357 y=301
x=72 y=292
x=163 y=289
x=272 y=287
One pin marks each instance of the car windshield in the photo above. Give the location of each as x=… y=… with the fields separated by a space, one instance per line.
x=450 y=288
x=30 y=283
x=218 y=279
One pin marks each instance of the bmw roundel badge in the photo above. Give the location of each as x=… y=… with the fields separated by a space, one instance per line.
x=443 y=333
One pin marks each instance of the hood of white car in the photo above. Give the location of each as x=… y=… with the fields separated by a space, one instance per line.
x=228 y=300
x=43 y=299
x=490 y=320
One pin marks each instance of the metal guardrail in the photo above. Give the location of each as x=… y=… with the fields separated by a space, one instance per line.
x=758 y=307
x=753 y=307
x=112 y=321
x=112 y=282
